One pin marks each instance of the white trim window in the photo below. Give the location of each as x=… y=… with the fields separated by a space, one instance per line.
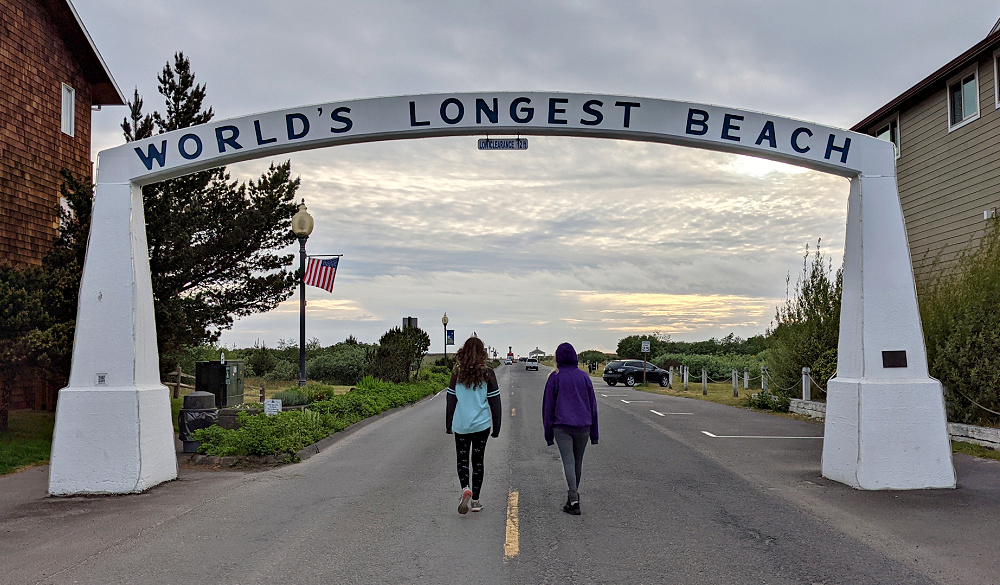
x=996 y=82
x=68 y=110
x=963 y=98
x=889 y=132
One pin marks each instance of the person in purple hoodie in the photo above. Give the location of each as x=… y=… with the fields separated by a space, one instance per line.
x=569 y=415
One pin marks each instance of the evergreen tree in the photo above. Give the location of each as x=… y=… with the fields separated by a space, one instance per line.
x=213 y=242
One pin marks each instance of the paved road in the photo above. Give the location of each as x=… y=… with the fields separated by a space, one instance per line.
x=663 y=502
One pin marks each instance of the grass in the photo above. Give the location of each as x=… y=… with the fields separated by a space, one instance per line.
x=28 y=440
x=974 y=450
x=718 y=393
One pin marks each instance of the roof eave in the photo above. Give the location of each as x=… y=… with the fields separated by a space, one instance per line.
x=928 y=82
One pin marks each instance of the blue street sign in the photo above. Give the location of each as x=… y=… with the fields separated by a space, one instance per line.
x=451 y=337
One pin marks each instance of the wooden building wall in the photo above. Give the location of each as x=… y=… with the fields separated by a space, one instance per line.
x=34 y=63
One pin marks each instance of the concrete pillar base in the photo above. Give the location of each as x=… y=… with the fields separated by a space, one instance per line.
x=115 y=440
x=887 y=435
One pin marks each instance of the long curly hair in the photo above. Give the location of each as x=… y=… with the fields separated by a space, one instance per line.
x=472 y=362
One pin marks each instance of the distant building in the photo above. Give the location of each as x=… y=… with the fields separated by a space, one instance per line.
x=51 y=75
x=536 y=353
x=946 y=130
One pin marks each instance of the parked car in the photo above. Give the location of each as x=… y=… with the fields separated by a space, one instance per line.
x=629 y=373
x=531 y=364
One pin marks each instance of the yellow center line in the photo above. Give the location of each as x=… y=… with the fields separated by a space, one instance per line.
x=510 y=545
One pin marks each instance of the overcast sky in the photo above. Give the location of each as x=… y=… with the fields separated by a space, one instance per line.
x=580 y=240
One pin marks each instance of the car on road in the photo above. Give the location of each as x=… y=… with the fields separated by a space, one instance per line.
x=507 y=362
x=629 y=373
x=531 y=364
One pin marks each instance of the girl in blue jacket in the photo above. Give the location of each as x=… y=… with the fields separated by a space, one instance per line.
x=569 y=415
x=473 y=406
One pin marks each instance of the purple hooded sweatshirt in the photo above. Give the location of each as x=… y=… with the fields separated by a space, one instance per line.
x=569 y=399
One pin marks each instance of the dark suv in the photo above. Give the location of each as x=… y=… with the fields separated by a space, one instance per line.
x=629 y=372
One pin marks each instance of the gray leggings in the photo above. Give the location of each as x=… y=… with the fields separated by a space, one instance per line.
x=572 y=443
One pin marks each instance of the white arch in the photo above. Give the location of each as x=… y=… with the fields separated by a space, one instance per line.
x=885 y=426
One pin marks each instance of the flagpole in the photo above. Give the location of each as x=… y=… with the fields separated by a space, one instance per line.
x=302 y=225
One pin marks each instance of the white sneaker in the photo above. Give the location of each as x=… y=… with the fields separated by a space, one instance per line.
x=463 y=506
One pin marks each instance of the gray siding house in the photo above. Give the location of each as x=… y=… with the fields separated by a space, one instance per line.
x=947 y=135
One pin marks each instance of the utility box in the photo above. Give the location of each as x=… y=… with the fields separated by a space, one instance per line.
x=224 y=380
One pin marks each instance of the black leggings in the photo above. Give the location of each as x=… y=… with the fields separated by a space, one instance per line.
x=477 y=442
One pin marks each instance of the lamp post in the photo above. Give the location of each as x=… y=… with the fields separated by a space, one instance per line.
x=444 y=322
x=302 y=226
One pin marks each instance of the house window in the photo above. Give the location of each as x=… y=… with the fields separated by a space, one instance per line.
x=68 y=110
x=963 y=98
x=890 y=133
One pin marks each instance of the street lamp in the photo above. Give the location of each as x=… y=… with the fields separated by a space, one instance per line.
x=444 y=322
x=302 y=226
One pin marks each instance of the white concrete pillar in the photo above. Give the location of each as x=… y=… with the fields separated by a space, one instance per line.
x=885 y=418
x=113 y=432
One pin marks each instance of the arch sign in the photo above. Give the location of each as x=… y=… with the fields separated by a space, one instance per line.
x=885 y=425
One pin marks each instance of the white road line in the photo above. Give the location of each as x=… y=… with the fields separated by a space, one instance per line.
x=666 y=413
x=635 y=401
x=754 y=436
x=612 y=395
x=625 y=401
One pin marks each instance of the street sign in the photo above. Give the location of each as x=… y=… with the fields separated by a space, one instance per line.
x=645 y=347
x=503 y=144
x=451 y=337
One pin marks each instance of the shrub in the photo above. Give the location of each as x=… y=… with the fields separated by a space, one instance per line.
x=807 y=326
x=283 y=370
x=960 y=309
x=343 y=364
x=288 y=432
x=718 y=366
x=284 y=433
x=292 y=397
x=765 y=400
x=399 y=352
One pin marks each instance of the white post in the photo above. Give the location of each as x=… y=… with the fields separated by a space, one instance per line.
x=113 y=433
x=670 y=378
x=746 y=378
x=736 y=383
x=704 y=382
x=763 y=378
x=806 y=393
x=687 y=375
x=885 y=418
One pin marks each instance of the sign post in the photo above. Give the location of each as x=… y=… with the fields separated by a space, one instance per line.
x=645 y=352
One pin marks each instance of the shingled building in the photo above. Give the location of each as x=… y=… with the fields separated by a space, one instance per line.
x=51 y=76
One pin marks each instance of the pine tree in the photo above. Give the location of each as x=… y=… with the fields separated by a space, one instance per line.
x=213 y=242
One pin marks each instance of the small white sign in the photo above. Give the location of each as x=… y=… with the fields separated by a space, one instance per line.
x=645 y=347
x=272 y=406
x=101 y=379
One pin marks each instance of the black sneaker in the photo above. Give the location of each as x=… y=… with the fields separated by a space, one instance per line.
x=476 y=506
x=572 y=507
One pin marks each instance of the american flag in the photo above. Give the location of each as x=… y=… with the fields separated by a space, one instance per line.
x=321 y=273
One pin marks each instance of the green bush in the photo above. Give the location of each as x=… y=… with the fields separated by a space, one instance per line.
x=343 y=364
x=398 y=354
x=765 y=400
x=960 y=309
x=719 y=367
x=807 y=327
x=284 y=433
x=288 y=432
x=283 y=370
x=292 y=397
